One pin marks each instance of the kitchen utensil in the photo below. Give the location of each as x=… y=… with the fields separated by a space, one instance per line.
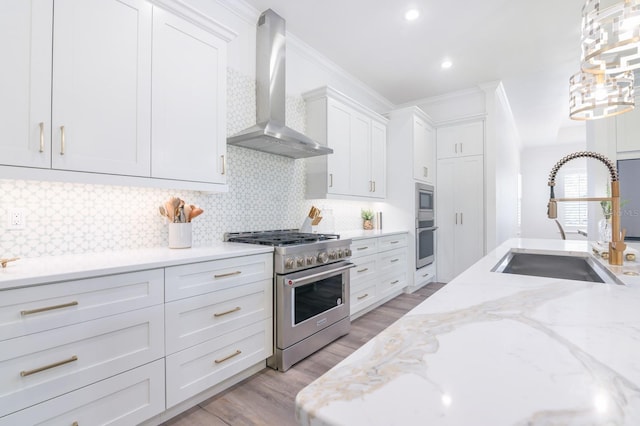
x=4 y=262
x=195 y=212
x=316 y=221
x=170 y=211
x=187 y=212
x=163 y=211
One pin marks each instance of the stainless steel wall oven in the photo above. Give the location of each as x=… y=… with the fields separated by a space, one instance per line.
x=425 y=225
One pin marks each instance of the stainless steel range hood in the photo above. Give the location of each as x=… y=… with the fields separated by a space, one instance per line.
x=271 y=134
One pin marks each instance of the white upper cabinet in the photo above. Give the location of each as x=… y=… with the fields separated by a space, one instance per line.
x=358 y=137
x=101 y=86
x=423 y=151
x=461 y=140
x=25 y=86
x=189 y=96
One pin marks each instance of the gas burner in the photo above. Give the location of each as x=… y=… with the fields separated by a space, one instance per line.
x=278 y=238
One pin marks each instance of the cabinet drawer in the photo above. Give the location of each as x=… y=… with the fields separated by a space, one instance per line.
x=126 y=399
x=362 y=297
x=392 y=260
x=391 y=242
x=425 y=275
x=200 y=278
x=365 y=268
x=44 y=365
x=34 y=309
x=364 y=247
x=390 y=283
x=196 y=319
x=195 y=369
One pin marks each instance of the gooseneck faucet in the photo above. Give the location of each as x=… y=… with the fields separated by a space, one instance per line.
x=616 y=245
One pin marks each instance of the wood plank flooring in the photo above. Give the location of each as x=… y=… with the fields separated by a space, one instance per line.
x=268 y=397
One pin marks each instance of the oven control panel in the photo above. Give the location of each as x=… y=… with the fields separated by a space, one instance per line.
x=309 y=256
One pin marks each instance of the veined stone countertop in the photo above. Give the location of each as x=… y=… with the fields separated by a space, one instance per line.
x=360 y=234
x=496 y=349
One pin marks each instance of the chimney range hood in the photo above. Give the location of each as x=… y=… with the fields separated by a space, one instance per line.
x=270 y=134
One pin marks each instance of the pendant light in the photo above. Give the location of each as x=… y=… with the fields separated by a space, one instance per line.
x=593 y=96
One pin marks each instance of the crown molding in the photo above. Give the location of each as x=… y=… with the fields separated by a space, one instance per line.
x=241 y=9
x=196 y=17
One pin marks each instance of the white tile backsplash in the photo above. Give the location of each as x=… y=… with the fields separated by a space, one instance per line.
x=265 y=192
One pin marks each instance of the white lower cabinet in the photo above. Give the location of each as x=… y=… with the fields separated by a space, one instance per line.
x=380 y=271
x=125 y=399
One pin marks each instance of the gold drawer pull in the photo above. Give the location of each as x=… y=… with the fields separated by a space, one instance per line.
x=48 y=308
x=62 y=142
x=230 y=311
x=363 y=296
x=394 y=242
x=74 y=424
x=394 y=260
x=229 y=274
x=228 y=357
x=425 y=275
x=395 y=282
x=41 y=124
x=363 y=248
x=363 y=270
x=48 y=367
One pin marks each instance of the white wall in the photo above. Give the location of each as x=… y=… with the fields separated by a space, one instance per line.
x=536 y=165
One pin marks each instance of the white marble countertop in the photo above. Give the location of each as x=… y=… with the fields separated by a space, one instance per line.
x=34 y=271
x=496 y=349
x=359 y=234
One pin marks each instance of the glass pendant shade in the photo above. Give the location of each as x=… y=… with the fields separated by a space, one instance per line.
x=610 y=37
x=593 y=96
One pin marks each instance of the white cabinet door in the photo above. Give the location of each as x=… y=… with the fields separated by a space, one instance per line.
x=339 y=137
x=101 y=86
x=628 y=130
x=379 y=159
x=460 y=215
x=189 y=98
x=461 y=140
x=25 y=86
x=423 y=151
x=360 y=155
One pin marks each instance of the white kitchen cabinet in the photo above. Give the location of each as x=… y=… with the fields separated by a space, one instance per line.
x=25 y=103
x=423 y=151
x=460 y=140
x=358 y=137
x=189 y=101
x=380 y=271
x=459 y=214
x=628 y=130
x=101 y=116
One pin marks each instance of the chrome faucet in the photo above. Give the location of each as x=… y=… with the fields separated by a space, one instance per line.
x=616 y=245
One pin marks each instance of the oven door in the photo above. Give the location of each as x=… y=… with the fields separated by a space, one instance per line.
x=310 y=300
x=425 y=246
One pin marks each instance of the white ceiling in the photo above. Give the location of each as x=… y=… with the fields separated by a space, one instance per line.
x=531 y=46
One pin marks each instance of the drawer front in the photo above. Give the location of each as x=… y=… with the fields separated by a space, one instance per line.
x=196 y=319
x=391 y=283
x=363 y=297
x=193 y=370
x=34 y=309
x=391 y=242
x=365 y=269
x=425 y=275
x=392 y=260
x=363 y=247
x=44 y=365
x=126 y=399
x=199 y=278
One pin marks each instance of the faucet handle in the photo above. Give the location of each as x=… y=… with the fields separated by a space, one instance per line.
x=552 y=209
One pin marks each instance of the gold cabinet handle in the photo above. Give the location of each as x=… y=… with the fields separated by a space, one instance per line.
x=461 y=219
x=363 y=248
x=230 y=311
x=394 y=242
x=456 y=218
x=48 y=367
x=363 y=296
x=224 y=165
x=41 y=136
x=228 y=274
x=395 y=282
x=330 y=180
x=394 y=260
x=362 y=270
x=455 y=147
x=425 y=275
x=228 y=357
x=426 y=171
x=48 y=308
x=75 y=424
x=460 y=147
x=374 y=186
x=62 y=142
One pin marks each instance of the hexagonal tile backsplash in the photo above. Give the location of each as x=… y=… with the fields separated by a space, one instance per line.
x=265 y=192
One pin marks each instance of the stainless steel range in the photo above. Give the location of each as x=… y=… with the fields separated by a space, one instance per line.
x=311 y=297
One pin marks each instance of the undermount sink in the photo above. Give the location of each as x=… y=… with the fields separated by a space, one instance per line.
x=561 y=266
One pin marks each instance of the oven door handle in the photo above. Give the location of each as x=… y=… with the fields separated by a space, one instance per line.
x=432 y=228
x=297 y=282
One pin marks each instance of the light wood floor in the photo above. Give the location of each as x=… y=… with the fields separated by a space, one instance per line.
x=267 y=398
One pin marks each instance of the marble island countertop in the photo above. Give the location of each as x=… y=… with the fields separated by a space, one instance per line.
x=496 y=349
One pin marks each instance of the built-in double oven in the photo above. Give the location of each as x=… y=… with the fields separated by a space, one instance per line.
x=425 y=225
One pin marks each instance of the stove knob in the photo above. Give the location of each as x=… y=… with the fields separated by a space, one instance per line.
x=288 y=263
x=340 y=253
x=323 y=257
x=333 y=255
x=311 y=260
x=300 y=261
x=347 y=252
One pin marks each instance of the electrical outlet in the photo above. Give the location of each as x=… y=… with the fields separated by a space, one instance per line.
x=16 y=219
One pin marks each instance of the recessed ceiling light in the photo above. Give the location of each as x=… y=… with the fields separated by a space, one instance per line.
x=446 y=64
x=412 y=15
